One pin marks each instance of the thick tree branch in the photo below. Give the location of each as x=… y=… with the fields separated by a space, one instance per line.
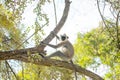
x=5 y=55
x=63 y=64
x=61 y=22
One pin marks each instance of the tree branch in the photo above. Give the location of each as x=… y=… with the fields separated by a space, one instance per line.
x=102 y=17
x=5 y=55
x=11 y=70
x=62 y=64
x=61 y=22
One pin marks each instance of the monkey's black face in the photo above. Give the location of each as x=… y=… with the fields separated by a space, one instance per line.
x=63 y=38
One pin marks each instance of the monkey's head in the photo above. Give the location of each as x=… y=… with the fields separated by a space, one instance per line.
x=64 y=37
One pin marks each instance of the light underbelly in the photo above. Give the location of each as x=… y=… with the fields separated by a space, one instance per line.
x=66 y=52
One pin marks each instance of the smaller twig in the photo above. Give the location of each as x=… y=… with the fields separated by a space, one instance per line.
x=104 y=21
x=117 y=30
x=12 y=70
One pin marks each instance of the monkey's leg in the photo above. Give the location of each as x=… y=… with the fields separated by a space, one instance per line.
x=57 y=54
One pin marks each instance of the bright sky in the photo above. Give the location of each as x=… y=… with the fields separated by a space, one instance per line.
x=83 y=16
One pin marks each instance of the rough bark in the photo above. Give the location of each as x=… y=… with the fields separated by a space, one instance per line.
x=63 y=64
x=22 y=53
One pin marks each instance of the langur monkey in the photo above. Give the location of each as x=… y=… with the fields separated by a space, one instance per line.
x=66 y=52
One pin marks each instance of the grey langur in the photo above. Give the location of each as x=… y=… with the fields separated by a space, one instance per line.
x=66 y=52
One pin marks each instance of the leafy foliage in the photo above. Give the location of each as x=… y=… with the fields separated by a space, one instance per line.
x=9 y=33
x=34 y=72
x=96 y=48
x=15 y=35
x=6 y=17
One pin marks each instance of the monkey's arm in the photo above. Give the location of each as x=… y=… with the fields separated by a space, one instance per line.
x=53 y=46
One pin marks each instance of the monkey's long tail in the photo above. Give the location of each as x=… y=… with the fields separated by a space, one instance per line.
x=74 y=69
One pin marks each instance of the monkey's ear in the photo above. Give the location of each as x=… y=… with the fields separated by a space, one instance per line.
x=65 y=36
